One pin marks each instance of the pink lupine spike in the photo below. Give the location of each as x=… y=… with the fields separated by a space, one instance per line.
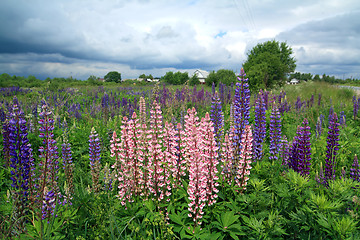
x=243 y=169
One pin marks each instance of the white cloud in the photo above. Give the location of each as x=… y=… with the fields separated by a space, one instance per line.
x=155 y=36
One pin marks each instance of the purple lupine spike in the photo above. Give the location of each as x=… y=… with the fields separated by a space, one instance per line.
x=217 y=118
x=49 y=164
x=6 y=143
x=332 y=148
x=20 y=157
x=259 y=127
x=355 y=107
x=300 y=155
x=275 y=133
x=241 y=110
x=355 y=170
x=331 y=111
x=68 y=165
x=94 y=157
x=285 y=151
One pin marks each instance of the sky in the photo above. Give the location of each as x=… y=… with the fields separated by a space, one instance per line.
x=79 y=38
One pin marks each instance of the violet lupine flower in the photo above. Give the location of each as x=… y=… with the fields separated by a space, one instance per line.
x=355 y=107
x=355 y=170
x=179 y=169
x=48 y=204
x=259 y=127
x=300 y=156
x=241 y=110
x=319 y=177
x=217 y=118
x=49 y=165
x=94 y=157
x=332 y=148
x=331 y=111
x=20 y=157
x=285 y=151
x=275 y=133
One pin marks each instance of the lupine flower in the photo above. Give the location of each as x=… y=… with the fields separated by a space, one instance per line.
x=48 y=204
x=158 y=176
x=331 y=112
x=275 y=133
x=21 y=158
x=355 y=107
x=179 y=168
x=259 y=127
x=198 y=170
x=355 y=170
x=319 y=99
x=108 y=178
x=49 y=162
x=285 y=151
x=217 y=118
x=243 y=167
x=332 y=148
x=241 y=110
x=227 y=159
x=210 y=156
x=300 y=156
x=319 y=177
x=94 y=157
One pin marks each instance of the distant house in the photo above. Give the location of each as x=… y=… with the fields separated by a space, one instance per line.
x=201 y=75
x=101 y=79
x=294 y=81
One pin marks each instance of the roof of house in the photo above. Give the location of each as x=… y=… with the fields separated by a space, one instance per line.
x=294 y=80
x=201 y=73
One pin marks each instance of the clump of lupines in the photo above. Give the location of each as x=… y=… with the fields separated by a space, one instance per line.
x=275 y=133
x=217 y=118
x=300 y=156
x=259 y=126
x=20 y=160
x=355 y=170
x=49 y=165
x=94 y=157
x=332 y=147
x=241 y=110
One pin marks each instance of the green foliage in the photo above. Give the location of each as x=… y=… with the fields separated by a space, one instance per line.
x=194 y=80
x=113 y=77
x=177 y=78
x=268 y=63
x=224 y=76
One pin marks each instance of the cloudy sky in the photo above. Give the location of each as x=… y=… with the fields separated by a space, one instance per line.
x=80 y=38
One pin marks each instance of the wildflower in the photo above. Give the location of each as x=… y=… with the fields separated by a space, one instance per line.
x=284 y=153
x=275 y=133
x=241 y=110
x=259 y=127
x=94 y=157
x=300 y=157
x=332 y=147
x=355 y=170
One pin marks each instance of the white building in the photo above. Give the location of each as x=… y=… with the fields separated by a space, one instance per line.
x=201 y=75
x=294 y=81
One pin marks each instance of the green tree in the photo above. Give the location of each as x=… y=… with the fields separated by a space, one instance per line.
x=226 y=76
x=194 y=80
x=212 y=78
x=113 y=77
x=317 y=77
x=268 y=63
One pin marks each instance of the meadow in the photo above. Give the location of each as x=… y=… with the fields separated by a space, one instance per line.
x=180 y=162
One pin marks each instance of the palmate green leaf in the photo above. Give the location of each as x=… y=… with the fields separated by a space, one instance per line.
x=345 y=226
x=323 y=204
x=228 y=218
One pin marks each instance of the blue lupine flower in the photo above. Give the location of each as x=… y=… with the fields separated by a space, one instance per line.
x=259 y=126
x=275 y=133
x=332 y=147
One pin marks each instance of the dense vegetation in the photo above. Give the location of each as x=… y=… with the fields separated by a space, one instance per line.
x=283 y=163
